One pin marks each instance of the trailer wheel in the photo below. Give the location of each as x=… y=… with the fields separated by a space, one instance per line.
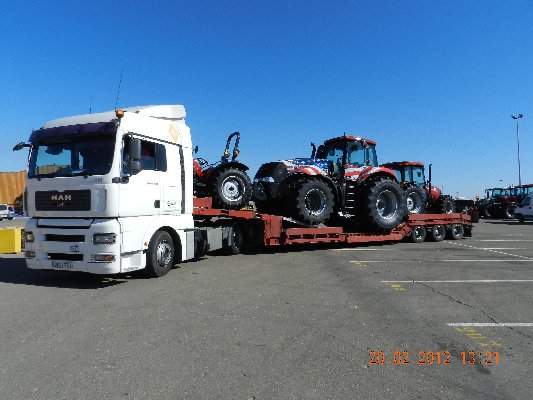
x=438 y=233
x=231 y=188
x=416 y=199
x=418 y=234
x=456 y=232
x=385 y=205
x=160 y=254
x=509 y=211
x=236 y=239
x=313 y=201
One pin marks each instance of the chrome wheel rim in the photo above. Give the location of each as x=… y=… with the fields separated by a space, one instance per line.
x=315 y=202
x=164 y=253
x=232 y=189
x=387 y=204
x=414 y=203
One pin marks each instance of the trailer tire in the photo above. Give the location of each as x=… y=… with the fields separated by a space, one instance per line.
x=385 y=205
x=456 y=232
x=415 y=200
x=160 y=254
x=313 y=201
x=418 y=234
x=438 y=233
x=509 y=211
x=231 y=188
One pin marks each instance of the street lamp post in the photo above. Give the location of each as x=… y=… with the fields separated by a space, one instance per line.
x=517 y=117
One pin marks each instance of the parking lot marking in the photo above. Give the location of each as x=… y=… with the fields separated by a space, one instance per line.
x=467 y=281
x=501 y=240
x=396 y=287
x=492 y=251
x=491 y=324
x=503 y=248
x=510 y=260
x=357 y=249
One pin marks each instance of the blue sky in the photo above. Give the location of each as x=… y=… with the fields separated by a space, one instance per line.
x=432 y=81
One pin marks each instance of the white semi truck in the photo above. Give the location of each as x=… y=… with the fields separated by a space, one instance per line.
x=112 y=193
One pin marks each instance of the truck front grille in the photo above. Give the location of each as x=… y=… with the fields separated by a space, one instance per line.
x=69 y=200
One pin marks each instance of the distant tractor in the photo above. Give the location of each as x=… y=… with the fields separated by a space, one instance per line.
x=340 y=183
x=226 y=180
x=421 y=196
x=502 y=202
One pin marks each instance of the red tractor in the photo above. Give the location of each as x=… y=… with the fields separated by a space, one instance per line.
x=341 y=183
x=421 y=196
x=226 y=181
x=502 y=202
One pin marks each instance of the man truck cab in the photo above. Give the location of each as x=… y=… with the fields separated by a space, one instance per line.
x=111 y=192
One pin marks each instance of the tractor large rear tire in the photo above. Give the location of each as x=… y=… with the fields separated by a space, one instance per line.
x=231 y=188
x=446 y=205
x=313 y=201
x=415 y=200
x=384 y=205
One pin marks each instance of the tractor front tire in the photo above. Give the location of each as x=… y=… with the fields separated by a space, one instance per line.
x=313 y=201
x=415 y=200
x=509 y=211
x=385 y=205
x=231 y=188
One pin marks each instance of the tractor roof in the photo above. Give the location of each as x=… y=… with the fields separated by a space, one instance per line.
x=404 y=164
x=356 y=138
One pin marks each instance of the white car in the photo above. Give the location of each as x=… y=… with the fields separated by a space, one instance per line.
x=525 y=211
x=4 y=212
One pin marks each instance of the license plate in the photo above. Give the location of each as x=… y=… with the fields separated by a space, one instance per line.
x=62 y=264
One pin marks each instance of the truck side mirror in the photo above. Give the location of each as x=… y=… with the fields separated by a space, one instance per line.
x=134 y=150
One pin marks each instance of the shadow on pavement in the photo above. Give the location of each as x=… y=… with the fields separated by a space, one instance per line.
x=14 y=270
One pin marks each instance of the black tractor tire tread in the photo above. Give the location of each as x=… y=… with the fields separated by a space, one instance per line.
x=299 y=209
x=216 y=188
x=370 y=217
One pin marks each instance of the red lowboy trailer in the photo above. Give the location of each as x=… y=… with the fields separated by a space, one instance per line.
x=250 y=228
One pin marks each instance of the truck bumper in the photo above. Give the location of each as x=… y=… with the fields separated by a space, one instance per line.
x=61 y=244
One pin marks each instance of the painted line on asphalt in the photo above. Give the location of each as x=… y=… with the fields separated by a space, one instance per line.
x=510 y=260
x=357 y=249
x=496 y=324
x=467 y=281
x=503 y=248
x=500 y=240
x=491 y=251
x=434 y=261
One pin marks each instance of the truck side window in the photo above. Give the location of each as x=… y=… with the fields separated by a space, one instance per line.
x=153 y=156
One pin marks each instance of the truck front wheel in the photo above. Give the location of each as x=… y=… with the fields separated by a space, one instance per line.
x=385 y=205
x=160 y=254
x=313 y=201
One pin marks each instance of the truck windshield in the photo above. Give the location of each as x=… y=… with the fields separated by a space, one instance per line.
x=86 y=155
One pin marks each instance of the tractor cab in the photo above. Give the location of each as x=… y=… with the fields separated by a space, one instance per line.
x=409 y=172
x=348 y=151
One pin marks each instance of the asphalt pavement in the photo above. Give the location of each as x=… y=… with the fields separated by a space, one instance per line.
x=446 y=320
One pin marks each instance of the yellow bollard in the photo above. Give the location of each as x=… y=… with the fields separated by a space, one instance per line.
x=10 y=240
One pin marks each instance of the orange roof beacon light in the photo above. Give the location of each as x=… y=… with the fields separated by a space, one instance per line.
x=119 y=113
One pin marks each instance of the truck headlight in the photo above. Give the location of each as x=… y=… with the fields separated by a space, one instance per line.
x=104 y=238
x=30 y=238
x=29 y=254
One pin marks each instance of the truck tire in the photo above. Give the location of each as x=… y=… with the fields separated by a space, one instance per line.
x=236 y=239
x=160 y=254
x=415 y=200
x=418 y=234
x=385 y=205
x=438 y=233
x=509 y=211
x=231 y=188
x=446 y=205
x=313 y=201
x=456 y=232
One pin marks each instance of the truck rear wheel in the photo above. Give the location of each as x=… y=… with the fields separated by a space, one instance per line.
x=416 y=199
x=231 y=188
x=160 y=254
x=313 y=201
x=385 y=205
